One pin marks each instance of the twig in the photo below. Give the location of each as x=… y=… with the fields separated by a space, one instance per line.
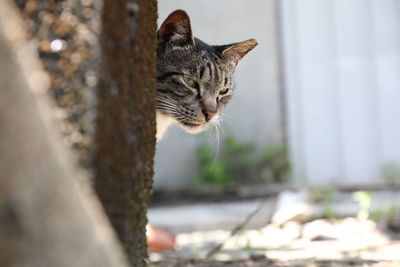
x=235 y=230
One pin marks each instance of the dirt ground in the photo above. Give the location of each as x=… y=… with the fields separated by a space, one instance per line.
x=264 y=262
x=326 y=242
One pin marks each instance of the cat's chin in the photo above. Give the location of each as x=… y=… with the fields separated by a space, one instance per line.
x=198 y=128
x=193 y=129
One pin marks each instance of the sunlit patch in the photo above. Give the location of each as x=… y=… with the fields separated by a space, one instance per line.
x=57 y=45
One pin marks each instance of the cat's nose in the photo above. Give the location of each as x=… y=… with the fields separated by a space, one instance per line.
x=208 y=114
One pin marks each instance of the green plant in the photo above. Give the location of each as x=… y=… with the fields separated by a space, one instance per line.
x=388 y=215
x=211 y=172
x=239 y=162
x=364 y=200
x=274 y=164
x=329 y=213
x=324 y=195
x=391 y=172
x=384 y=214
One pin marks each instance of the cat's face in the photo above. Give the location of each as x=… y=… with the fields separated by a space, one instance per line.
x=194 y=79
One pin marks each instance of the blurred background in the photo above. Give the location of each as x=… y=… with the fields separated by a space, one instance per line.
x=310 y=154
x=316 y=101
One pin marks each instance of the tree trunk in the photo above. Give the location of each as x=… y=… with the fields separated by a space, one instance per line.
x=47 y=217
x=125 y=135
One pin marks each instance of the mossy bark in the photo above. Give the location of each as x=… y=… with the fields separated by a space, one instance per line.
x=125 y=134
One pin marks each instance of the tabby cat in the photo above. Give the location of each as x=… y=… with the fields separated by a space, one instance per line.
x=194 y=79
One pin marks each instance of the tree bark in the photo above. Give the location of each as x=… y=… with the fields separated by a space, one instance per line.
x=125 y=134
x=48 y=217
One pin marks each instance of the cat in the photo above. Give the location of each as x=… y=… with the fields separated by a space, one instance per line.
x=194 y=79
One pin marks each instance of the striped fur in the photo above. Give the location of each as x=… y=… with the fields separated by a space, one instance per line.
x=194 y=79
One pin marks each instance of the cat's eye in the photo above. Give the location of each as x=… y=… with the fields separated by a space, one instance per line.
x=224 y=91
x=190 y=82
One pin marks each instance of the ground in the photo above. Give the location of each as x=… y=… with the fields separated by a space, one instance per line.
x=298 y=232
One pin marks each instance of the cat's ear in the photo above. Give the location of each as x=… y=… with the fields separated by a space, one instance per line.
x=232 y=53
x=176 y=29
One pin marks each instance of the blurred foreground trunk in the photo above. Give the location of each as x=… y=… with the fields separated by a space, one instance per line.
x=125 y=134
x=47 y=218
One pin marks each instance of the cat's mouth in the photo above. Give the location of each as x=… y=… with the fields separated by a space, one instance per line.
x=192 y=124
x=198 y=127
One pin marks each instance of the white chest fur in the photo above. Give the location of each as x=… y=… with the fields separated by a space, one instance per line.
x=163 y=122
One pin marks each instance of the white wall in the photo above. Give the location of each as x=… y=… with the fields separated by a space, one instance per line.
x=254 y=113
x=342 y=67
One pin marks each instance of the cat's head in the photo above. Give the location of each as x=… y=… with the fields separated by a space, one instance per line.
x=194 y=79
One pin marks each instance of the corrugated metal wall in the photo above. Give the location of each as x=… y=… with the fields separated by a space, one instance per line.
x=342 y=75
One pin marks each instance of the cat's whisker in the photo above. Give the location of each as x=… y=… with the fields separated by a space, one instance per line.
x=179 y=117
x=166 y=99
x=169 y=111
x=210 y=135
x=216 y=156
x=166 y=104
x=224 y=117
x=218 y=125
x=205 y=137
x=168 y=108
x=212 y=142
